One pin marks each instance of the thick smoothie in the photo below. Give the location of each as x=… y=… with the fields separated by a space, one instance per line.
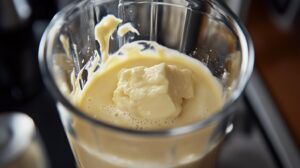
x=143 y=86
x=147 y=86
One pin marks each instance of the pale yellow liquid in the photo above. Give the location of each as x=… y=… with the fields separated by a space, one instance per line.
x=96 y=159
x=96 y=97
x=95 y=147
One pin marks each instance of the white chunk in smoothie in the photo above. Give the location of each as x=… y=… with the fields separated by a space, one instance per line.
x=145 y=85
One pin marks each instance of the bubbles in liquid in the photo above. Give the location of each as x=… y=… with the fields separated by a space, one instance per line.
x=144 y=123
x=130 y=120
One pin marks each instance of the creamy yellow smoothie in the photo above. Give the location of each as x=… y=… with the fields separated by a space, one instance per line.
x=143 y=86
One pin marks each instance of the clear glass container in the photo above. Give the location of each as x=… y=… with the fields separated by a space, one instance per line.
x=203 y=29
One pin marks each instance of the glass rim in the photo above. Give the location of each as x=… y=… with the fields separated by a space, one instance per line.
x=247 y=63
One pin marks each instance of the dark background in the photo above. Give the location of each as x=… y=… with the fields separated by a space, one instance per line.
x=277 y=50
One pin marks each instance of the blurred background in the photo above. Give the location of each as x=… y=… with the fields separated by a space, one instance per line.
x=269 y=112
